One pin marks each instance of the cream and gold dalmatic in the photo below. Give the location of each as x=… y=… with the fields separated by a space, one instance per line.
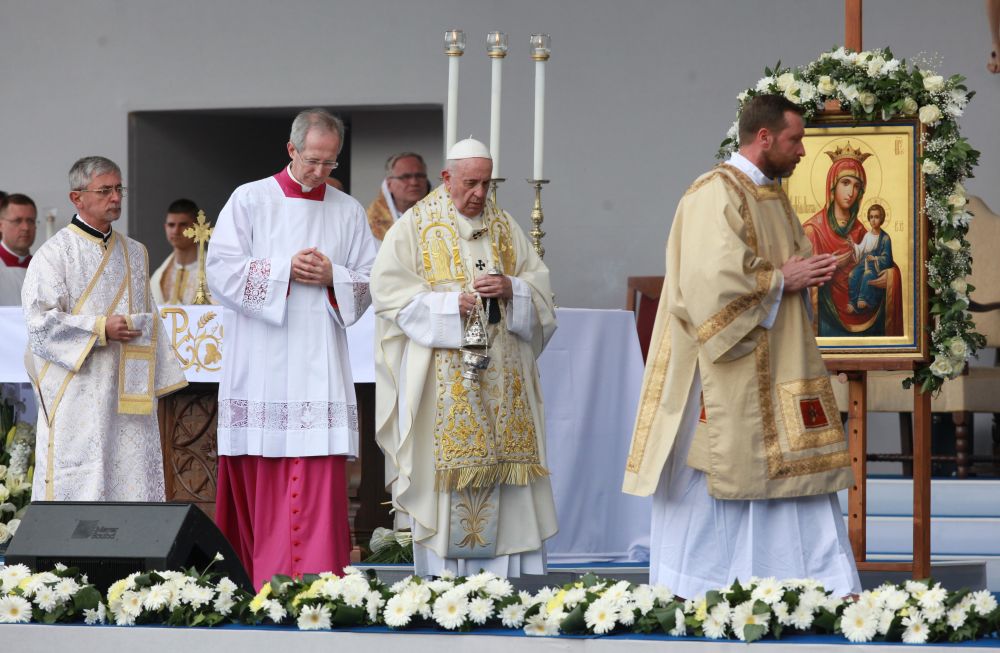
x=465 y=460
x=98 y=438
x=769 y=424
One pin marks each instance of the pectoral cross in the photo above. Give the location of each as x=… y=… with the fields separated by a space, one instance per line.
x=200 y=232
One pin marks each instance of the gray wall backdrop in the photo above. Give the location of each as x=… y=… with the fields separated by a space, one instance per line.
x=639 y=92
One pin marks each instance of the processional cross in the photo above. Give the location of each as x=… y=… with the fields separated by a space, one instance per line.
x=200 y=232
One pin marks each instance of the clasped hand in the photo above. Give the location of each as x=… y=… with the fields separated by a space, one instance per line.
x=116 y=328
x=312 y=267
x=801 y=273
x=489 y=286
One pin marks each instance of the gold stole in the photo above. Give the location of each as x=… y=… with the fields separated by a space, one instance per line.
x=484 y=434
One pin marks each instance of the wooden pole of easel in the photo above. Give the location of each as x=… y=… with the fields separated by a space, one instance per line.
x=857 y=391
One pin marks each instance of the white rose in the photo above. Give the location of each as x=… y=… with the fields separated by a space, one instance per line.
x=12 y=526
x=867 y=100
x=954 y=244
x=850 y=93
x=957 y=200
x=958 y=348
x=876 y=65
x=4 y=492
x=941 y=367
x=929 y=167
x=3 y=471
x=933 y=83
x=861 y=58
x=909 y=106
x=4 y=533
x=929 y=114
x=959 y=189
x=785 y=80
x=792 y=92
x=826 y=85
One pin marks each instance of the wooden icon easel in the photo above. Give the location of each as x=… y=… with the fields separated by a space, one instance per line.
x=857 y=427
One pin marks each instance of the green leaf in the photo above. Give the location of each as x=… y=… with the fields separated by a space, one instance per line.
x=86 y=598
x=574 y=621
x=589 y=580
x=667 y=617
x=347 y=616
x=759 y=607
x=713 y=598
x=753 y=632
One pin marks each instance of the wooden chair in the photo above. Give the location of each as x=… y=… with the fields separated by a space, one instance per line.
x=643 y=298
x=976 y=391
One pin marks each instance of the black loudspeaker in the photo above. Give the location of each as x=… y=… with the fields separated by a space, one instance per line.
x=109 y=541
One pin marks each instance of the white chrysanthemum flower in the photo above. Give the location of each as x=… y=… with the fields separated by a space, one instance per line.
x=934 y=612
x=450 y=610
x=14 y=610
x=780 y=610
x=956 y=618
x=768 y=590
x=32 y=584
x=714 y=628
x=355 y=595
x=373 y=605
x=226 y=586
x=859 y=622
x=66 y=588
x=400 y=585
x=526 y=598
x=418 y=595
x=617 y=593
x=275 y=611
x=196 y=596
x=916 y=631
x=398 y=611
x=574 y=596
x=663 y=594
x=224 y=603
x=807 y=92
x=478 y=581
x=680 y=628
x=314 y=618
x=447 y=574
x=600 y=616
x=46 y=598
x=848 y=91
x=158 y=597
x=885 y=621
x=512 y=616
x=11 y=576
x=545 y=595
x=832 y=603
x=984 y=602
x=499 y=588
x=643 y=598
x=626 y=613
x=764 y=84
x=351 y=570
x=97 y=615
x=480 y=610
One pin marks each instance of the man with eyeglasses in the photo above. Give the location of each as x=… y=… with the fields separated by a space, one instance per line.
x=290 y=258
x=97 y=355
x=404 y=185
x=18 y=219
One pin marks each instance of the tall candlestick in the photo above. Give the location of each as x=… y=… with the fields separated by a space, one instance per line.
x=496 y=48
x=50 y=223
x=454 y=42
x=540 y=52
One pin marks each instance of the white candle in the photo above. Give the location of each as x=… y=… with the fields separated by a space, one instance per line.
x=539 y=117
x=495 y=91
x=50 y=223
x=451 y=133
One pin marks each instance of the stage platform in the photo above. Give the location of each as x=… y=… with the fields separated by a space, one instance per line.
x=34 y=638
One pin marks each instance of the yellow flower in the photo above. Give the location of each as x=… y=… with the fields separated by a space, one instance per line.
x=701 y=610
x=310 y=593
x=257 y=602
x=557 y=601
x=116 y=590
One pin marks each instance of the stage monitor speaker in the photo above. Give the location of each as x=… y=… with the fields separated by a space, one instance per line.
x=109 y=541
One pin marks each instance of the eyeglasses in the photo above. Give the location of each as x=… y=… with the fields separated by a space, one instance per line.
x=312 y=163
x=105 y=191
x=410 y=176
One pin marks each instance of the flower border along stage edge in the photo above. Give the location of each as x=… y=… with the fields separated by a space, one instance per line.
x=915 y=612
x=873 y=85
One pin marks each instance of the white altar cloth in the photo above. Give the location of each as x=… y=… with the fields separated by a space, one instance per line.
x=591 y=373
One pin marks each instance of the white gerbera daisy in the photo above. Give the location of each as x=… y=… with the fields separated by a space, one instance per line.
x=885 y=621
x=450 y=610
x=158 y=597
x=956 y=618
x=499 y=588
x=355 y=595
x=714 y=628
x=859 y=622
x=768 y=590
x=536 y=626
x=480 y=610
x=933 y=597
x=66 y=588
x=46 y=598
x=916 y=631
x=131 y=603
x=600 y=616
x=11 y=577
x=743 y=615
x=314 y=617
x=14 y=610
x=512 y=616
x=802 y=617
x=398 y=611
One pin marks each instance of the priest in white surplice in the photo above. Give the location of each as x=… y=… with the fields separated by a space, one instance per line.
x=18 y=220
x=290 y=258
x=738 y=436
x=465 y=457
x=97 y=354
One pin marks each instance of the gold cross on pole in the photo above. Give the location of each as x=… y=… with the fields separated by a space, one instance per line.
x=200 y=232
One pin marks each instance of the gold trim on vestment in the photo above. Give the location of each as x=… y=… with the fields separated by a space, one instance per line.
x=715 y=324
x=137 y=403
x=649 y=403
x=777 y=466
x=800 y=437
x=92 y=238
